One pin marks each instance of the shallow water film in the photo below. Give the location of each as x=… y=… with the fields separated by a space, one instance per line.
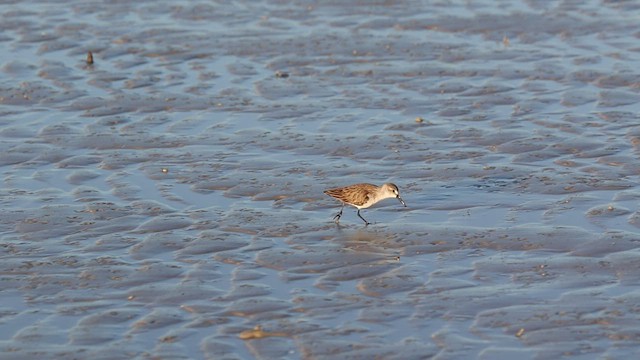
x=163 y=167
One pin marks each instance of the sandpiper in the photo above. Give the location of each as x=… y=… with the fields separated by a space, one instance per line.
x=363 y=196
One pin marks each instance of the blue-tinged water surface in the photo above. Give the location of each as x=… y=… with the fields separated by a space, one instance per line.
x=166 y=201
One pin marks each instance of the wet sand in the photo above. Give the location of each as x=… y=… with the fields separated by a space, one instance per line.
x=166 y=200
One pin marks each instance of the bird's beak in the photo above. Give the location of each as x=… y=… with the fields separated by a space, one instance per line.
x=402 y=201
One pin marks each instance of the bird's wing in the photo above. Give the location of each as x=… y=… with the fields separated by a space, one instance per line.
x=357 y=194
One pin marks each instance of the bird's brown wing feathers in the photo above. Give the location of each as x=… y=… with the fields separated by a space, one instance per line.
x=356 y=194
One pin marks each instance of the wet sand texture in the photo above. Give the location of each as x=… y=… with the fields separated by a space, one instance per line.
x=164 y=200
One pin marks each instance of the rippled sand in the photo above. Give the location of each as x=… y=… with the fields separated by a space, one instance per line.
x=166 y=201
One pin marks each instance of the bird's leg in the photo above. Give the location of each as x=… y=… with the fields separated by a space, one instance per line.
x=365 y=221
x=337 y=217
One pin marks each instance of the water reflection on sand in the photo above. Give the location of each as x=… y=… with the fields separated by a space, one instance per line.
x=166 y=200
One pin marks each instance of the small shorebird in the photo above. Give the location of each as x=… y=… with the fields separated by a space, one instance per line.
x=363 y=196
